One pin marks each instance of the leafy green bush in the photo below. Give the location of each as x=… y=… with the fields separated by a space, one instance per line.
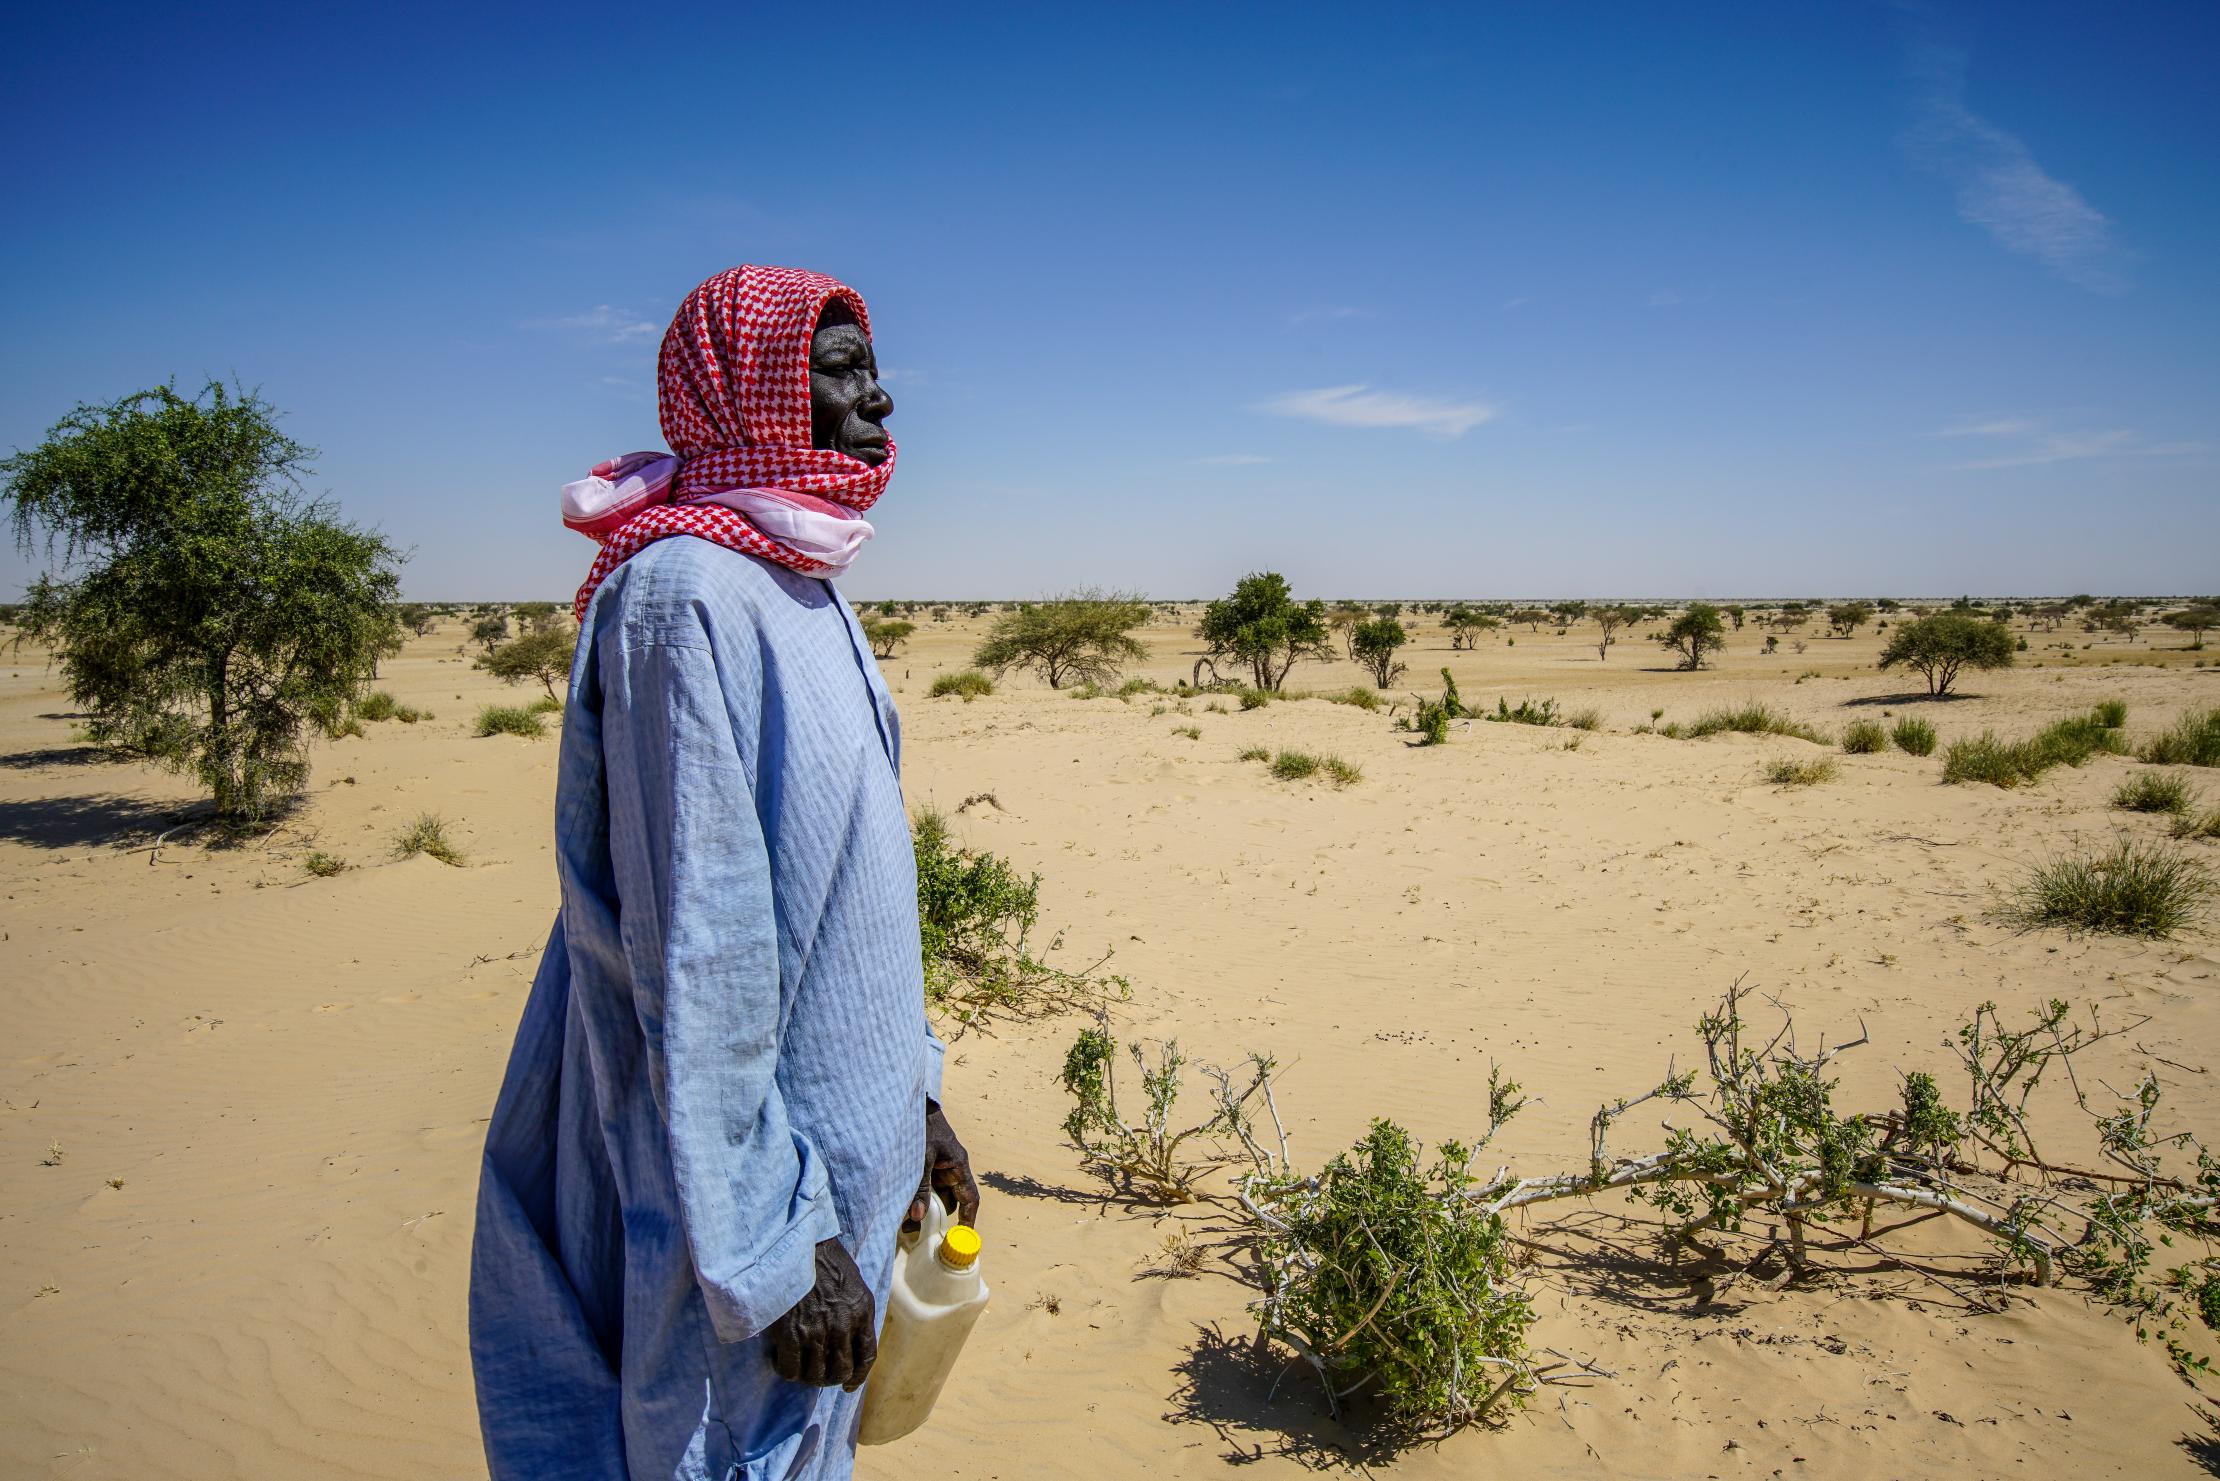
x=1372 y=644
x=1293 y=766
x=1263 y=626
x=427 y=836
x=965 y=684
x=1754 y=718
x=2111 y=713
x=1785 y=772
x=1939 y=647
x=2130 y=889
x=497 y=720
x=2155 y=792
x=2193 y=740
x=323 y=865
x=1528 y=712
x=1357 y=695
x=1864 y=738
x=975 y=915
x=1914 y=737
x=377 y=705
x=1255 y=699
x=1399 y=1278
x=1086 y=635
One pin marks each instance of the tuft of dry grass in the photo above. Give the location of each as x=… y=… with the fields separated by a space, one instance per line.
x=1787 y=772
x=2130 y=889
x=427 y=836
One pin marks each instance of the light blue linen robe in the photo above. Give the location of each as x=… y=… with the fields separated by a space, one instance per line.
x=724 y=1058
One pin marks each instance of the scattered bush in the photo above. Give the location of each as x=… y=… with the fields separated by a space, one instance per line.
x=1357 y=695
x=323 y=865
x=2193 y=740
x=1263 y=626
x=1785 y=772
x=885 y=635
x=377 y=705
x=1373 y=645
x=1255 y=753
x=1086 y=635
x=1192 y=732
x=498 y=720
x=1587 y=719
x=2111 y=713
x=1753 y=718
x=1939 y=647
x=1143 y=1161
x=1254 y=699
x=1864 y=738
x=1430 y=719
x=2130 y=889
x=1528 y=712
x=1294 y=766
x=966 y=684
x=544 y=653
x=1914 y=737
x=2000 y=763
x=2155 y=792
x=1694 y=634
x=427 y=836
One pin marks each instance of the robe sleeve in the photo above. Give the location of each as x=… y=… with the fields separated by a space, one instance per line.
x=700 y=937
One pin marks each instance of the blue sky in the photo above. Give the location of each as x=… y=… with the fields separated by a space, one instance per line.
x=1459 y=300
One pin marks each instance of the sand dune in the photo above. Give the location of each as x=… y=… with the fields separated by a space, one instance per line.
x=240 y=1108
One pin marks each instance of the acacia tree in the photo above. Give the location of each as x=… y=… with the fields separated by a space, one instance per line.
x=544 y=654
x=886 y=634
x=206 y=612
x=1694 y=634
x=1263 y=626
x=1374 y=644
x=490 y=631
x=2196 y=621
x=1086 y=635
x=1465 y=627
x=1849 y=617
x=1939 y=646
x=1609 y=620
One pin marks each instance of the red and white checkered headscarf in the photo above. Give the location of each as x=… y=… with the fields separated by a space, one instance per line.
x=732 y=384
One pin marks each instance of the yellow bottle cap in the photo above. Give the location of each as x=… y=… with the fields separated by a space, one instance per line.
x=959 y=1247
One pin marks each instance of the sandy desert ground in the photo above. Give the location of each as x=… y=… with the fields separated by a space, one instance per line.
x=240 y=1108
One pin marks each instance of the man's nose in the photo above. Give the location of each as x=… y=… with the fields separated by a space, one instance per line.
x=876 y=404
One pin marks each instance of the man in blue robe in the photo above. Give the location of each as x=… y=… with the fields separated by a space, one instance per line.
x=723 y=1099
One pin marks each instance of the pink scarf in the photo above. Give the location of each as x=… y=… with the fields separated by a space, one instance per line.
x=733 y=386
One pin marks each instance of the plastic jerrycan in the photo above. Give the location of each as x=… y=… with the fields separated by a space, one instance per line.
x=935 y=1297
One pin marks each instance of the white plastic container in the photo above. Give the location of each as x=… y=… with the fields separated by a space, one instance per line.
x=936 y=1297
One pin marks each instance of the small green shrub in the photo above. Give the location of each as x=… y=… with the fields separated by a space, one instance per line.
x=377 y=705
x=546 y=704
x=345 y=726
x=1528 y=713
x=2129 y=889
x=1255 y=753
x=1754 y=718
x=1293 y=766
x=2001 y=763
x=427 y=836
x=1785 y=772
x=2193 y=740
x=500 y=720
x=1192 y=732
x=2111 y=713
x=965 y=684
x=1914 y=737
x=974 y=915
x=1340 y=772
x=323 y=865
x=1358 y=695
x=1985 y=758
x=1255 y=699
x=1135 y=686
x=1864 y=738
x=2159 y=792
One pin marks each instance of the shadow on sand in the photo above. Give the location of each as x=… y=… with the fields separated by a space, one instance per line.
x=75 y=822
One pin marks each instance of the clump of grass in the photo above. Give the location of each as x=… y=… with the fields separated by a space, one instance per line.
x=1090 y=690
x=2111 y=713
x=2002 y=763
x=1341 y=773
x=546 y=704
x=2191 y=825
x=345 y=726
x=1363 y=698
x=1528 y=713
x=1192 y=732
x=1985 y=758
x=2155 y=792
x=1914 y=737
x=1754 y=718
x=2130 y=889
x=501 y=720
x=377 y=705
x=1864 y=738
x=1255 y=699
x=1294 y=766
x=323 y=865
x=966 y=684
x=1255 y=753
x=1587 y=719
x=1135 y=686
x=427 y=836
x=2193 y=740
x=1786 y=772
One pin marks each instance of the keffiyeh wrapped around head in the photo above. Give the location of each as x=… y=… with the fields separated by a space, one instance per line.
x=732 y=383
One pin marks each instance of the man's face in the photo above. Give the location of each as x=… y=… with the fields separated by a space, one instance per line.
x=847 y=407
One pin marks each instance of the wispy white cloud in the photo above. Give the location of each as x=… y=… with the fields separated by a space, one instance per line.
x=2035 y=447
x=1361 y=406
x=602 y=322
x=1234 y=460
x=2002 y=189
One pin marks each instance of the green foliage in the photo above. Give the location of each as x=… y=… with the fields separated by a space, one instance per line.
x=1785 y=772
x=1430 y=718
x=1864 y=738
x=1357 y=695
x=490 y=631
x=2132 y=888
x=2111 y=713
x=2071 y=741
x=1590 y=718
x=886 y=634
x=1393 y=1276
x=966 y=684
x=1085 y=636
x=500 y=720
x=2196 y=620
x=1849 y=617
x=1528 y=713
x=1263 y=626
x=1753 y=718
x=1373 y=645
x=216 y=617
x=1939 y=647
x=323 y=865
x=1295 y=766
x=543 y=653
x=1254 y=699
x=1914 y=737
x=1143 y=1158
x=1694 y=635
x=427 y=836
x=2193 y=740
x=2158 y=792
x=546 y=704
x=377 y=705
x=1254 y=753
x=2197 y=826
x=975 y=919
x=1192 y=732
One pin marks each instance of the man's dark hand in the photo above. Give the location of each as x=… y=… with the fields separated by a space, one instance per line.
x=947 y=1172
x=828 y=1338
